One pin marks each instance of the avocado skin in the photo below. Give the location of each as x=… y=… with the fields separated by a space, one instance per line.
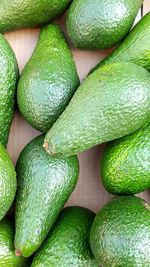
x=8 y=79
x=21 y=14
x=7 y=250
x=68 y=242
x=48 y=81
x=134 y=48
x=100 y=23
x=112 y=102
x=44 y=186
x=120 y=233
x=8 y=183
x=126 y=163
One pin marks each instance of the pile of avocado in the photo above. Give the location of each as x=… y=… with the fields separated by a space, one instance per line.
x=111 y=105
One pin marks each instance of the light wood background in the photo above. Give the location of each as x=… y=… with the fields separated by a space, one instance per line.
x=89 y=191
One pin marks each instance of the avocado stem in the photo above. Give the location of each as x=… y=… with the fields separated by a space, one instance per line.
x=49 y=148
x=147 y=206
x=45 y=145
x=18 y=253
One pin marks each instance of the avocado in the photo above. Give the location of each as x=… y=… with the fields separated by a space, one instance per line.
x=8 y=183
x=68 y=241
x=21 y=14
x=120 y=233
x=100 y=23
x=134 y=48
x=126 y=163
x=8 y=79
x=44 y=186
x=7 y=250
x=112 y=102
x=48 y=81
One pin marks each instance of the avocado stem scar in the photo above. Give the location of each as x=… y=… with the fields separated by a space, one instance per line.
x=45 y=145
x=18 y=253
x=147 y=206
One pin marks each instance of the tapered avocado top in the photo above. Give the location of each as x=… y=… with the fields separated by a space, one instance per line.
x=112 y=102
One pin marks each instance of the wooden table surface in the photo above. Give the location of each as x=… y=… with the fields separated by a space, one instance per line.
x=89 y=191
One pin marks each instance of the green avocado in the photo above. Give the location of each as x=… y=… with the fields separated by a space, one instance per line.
x=120 y=233
x=8 y=79
x=135 y=47
x=48 y=81
x=126 y=163
x=112 y=102
x=68 y=241
x=8 y=183
x=7 y=250
x=26 y=13
x=100 y=23
x=44 y=186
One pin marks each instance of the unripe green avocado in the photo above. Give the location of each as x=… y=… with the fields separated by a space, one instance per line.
x=44 y=186
x=134 y=48
x=8 y=80
x=67 y=244
x=8 y=183
x=112 y=102
x=120 y=233
x=100 y=23
x=126 y=163
x=48 y=81
x=16 y=14
x=7 y=250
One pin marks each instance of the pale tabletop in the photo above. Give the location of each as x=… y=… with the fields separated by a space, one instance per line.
x=89 y=191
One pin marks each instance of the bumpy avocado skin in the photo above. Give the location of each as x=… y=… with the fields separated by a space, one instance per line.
x=126 y=163
x=8 y=183
x=48 y=81
x=120 y=233
x=44 y=186
x=26 y=13
x=100 y=23
x=7 y=250
x=134 y=48
x=68 y=242
x=112 y=102
x=8 y=81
